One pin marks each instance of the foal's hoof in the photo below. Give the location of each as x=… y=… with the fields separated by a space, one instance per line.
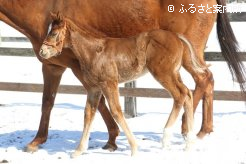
x=166 y=142
x=184 y=136
x=30 y=148
x=190 y=139
x=76 y=154
x=110 y=147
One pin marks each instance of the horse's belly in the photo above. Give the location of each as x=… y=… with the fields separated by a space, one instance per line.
x=130 y=75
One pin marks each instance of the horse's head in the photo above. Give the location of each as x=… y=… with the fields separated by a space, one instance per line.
x=54 y=41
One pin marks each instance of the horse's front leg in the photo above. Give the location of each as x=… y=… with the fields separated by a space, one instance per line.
x=52 y=75
x=93 y=99
x=113 y=129
x=111 y=92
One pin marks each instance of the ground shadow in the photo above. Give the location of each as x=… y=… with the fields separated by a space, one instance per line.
x=58 y=140
x=67 y=141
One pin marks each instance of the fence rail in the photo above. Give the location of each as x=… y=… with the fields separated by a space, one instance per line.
x=126 y=92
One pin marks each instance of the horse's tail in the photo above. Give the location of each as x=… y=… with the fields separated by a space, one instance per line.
x=196 y=64
x=229 y=48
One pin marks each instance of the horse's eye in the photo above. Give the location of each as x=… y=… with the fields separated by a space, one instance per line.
x=53 y=34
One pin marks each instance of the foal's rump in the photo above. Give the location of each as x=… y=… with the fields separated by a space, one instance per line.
x=169 y=46
x=164 y=49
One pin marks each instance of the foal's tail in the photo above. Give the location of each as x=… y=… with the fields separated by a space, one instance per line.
x=229 y=48
x=196 y=64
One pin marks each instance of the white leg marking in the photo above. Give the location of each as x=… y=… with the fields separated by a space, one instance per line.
x=167 y=133
x=190 y=140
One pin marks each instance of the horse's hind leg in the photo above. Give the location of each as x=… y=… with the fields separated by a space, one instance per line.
x=203 y=90
x=182 y=97
x=112 y=95
x=52 y=76
x=188 y=108
x=93 y=99
x=205 y=85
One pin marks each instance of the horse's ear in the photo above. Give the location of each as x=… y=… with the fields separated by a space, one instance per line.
x=56 y=16
x=60 y=16
x=53 y=15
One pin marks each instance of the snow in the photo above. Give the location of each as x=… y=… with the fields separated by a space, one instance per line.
x=20 y=114
x=20 y=118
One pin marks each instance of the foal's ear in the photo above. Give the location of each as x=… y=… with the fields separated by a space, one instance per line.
x=60 y=16
x=56 y=16
x=53 y=15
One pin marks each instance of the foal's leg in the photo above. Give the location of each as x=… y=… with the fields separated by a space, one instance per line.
x=112 y=95
x=90 y=110
x=52 y=75
x=203 y=90
x=182 y=97
x=188 y=112
x=113 y=129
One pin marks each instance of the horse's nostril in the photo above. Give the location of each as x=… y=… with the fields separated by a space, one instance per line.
x=41 y=52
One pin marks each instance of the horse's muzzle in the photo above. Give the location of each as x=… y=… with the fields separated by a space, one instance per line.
x=43 y=54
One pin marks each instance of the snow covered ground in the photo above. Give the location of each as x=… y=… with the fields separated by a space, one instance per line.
x=20 y=118
x=20 y=114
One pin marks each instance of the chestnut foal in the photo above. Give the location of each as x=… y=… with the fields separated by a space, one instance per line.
x=105 y=62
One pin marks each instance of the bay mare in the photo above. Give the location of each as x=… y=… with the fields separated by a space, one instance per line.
x=118 y=18
x=106 y=62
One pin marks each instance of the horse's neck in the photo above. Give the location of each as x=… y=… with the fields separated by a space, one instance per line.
x=28 y=18
x=84 y=45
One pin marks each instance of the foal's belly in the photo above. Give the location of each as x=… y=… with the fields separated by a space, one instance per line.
x=126 y=57
x=129 y=75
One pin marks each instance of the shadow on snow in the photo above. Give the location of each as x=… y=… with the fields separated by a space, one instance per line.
x=67 y=141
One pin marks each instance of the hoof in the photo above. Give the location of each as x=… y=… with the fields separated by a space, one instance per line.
x=76 y=154
x=30 y=148
x=133 y=154
x=110 y=147
x=166 y=143
x=185 y=136
x=202 y=133
x=134 y=151
x=190 y=141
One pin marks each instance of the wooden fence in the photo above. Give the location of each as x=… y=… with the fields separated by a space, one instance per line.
x=129 y=91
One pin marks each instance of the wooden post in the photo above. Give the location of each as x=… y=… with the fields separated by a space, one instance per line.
x=0 y=37
x=130 y=102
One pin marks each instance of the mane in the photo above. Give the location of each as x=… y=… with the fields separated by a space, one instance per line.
x=84 y=30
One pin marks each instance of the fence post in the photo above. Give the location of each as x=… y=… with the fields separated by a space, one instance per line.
x=130 y=102
x=0 y=35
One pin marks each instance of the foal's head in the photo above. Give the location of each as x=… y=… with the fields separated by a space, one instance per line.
x=55 y=40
